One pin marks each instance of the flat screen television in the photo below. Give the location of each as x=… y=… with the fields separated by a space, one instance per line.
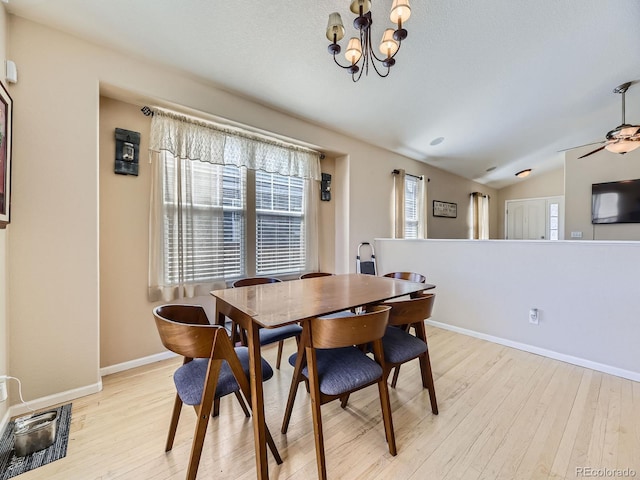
x=615 y=202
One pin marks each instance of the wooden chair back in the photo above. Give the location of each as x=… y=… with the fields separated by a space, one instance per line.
x=414 y=310
x=411 y=276
x=315 y=275
x=246 y=282
x=347 y=331
x=185 y=330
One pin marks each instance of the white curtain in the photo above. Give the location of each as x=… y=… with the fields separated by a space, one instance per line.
x=194 y=139
x=178 y=146
x=422 y=207
x=480 y=216
x=399 y=201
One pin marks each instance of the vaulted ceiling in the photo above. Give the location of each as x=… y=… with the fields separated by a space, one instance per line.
x=506 y=83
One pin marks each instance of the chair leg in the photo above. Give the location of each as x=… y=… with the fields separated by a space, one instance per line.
x=394 y=380
x=425 y=368
x=198 y=439
x=317 y=416
x=280 y=345
x=296 y=378
x=175 y=416
x=385 y=404
x=427 y=381
x=216 y=408
x=344 y=400
x=243 y=405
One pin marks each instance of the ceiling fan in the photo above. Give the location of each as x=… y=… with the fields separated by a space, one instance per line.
x=624 y=137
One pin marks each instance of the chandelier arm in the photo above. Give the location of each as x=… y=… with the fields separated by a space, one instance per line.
x=378 y=72
x=359 y=73
x=338 y=63
x=365 y=41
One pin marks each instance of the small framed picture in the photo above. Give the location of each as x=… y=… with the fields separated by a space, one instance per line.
x=6 y=111
x=445 y=209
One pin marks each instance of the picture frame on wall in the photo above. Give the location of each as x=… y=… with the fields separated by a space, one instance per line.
x=445 y=209
x=6 y=117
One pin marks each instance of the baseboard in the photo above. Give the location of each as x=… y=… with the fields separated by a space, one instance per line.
x=138 y=362
x=581 y=362
x=55 y=399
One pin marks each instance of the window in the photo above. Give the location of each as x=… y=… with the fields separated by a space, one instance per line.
x=217 y=215
x=213 y=211
x=411 y=199
x=409 y=205
x=280 y=235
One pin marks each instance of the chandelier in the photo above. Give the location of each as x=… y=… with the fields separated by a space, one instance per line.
x=360 y=50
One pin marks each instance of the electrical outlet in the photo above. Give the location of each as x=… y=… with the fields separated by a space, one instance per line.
x=3 y=390
x=533 y=316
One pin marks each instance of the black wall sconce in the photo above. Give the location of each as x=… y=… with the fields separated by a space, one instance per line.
x=325 y=187
x=127 y=152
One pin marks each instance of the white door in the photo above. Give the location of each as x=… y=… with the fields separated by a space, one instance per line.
x=526 y=220
x=534 y=219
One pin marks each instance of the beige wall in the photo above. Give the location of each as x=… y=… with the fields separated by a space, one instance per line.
x=446 y=187
x=4 y=233
x=548 y=184
x=126 y=327
x=54 y=241
x=327 y=222
x=580 y=174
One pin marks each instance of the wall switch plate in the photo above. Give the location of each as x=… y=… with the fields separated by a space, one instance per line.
x=576 y=234
x=3 y=390
x=533 y=316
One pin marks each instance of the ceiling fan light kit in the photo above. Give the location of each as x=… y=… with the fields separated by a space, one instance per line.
x=360 y=52
x=624 y=138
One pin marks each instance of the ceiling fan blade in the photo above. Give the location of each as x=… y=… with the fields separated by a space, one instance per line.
x=592 y=152
x=580 y=146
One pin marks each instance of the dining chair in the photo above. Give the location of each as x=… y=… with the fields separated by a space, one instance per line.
x=270 y=335
x=334 y=368
x=315 y=275
x=212 y=369
x=411 y=276
x=401 y=347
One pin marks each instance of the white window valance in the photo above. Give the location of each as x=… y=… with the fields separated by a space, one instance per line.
x=193 y=139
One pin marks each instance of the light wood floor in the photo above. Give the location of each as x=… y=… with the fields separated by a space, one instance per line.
x=504 y=414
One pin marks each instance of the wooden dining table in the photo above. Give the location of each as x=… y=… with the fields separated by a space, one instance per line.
x=278 y=304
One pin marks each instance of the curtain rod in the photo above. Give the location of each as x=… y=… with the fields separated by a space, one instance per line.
x=421 y=177
x=148 y=112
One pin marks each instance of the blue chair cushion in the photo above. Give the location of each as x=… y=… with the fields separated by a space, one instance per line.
x=273 y=335
x=342 y=370
x=190 y=377
x=400 y=346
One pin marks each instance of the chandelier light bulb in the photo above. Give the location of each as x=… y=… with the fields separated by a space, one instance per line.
x=356 y=4
x=388 y=46
x=354 y=50
x=400 y=12
x=335 y=27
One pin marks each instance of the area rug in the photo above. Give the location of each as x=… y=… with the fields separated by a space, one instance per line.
x=11 y=465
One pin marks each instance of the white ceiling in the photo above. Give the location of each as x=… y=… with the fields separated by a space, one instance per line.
x=507 y=83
